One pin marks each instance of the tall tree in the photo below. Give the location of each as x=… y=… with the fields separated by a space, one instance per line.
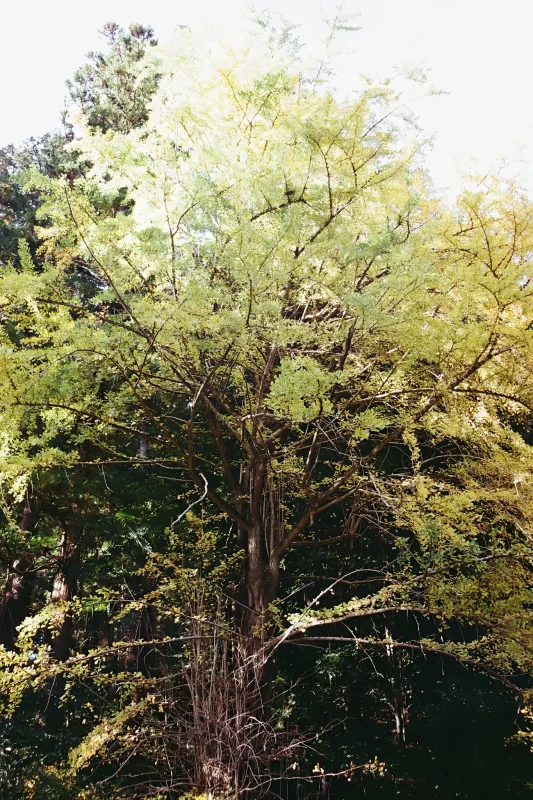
x=113 y=96
x=289 y=328
x=109 y=88
x=17 y=207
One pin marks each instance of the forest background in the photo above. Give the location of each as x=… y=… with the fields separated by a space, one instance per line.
x=265 y=466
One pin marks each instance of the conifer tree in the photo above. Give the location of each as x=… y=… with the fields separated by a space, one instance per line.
x=108 y=88
x=295 y=403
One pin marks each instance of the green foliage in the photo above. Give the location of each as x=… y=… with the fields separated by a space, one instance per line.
x=109 y=88
x=265 y=394
x=300 y=390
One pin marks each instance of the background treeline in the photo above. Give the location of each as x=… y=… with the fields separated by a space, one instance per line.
x=265 y=443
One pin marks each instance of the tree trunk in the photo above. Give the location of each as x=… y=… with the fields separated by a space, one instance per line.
x=230 y=685
x=63 y=591
x=259 y=583
x=398 y=701
x=17 y=591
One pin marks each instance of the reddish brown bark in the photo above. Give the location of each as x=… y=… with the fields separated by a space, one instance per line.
x=63 y=590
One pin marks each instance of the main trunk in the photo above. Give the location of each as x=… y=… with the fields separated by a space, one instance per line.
x=259 y=582
x=231 y=731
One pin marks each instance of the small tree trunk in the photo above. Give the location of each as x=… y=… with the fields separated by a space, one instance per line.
x=63 y=591
x=149 y=660
x=398 y=704
x=17 y=591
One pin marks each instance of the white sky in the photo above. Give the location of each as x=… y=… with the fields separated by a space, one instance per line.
x=478 y=50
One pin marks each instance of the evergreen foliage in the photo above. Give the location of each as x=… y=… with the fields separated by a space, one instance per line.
x=109 y=88
x=108 y=92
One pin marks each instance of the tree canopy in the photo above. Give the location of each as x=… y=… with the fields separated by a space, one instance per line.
x=266 y=462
